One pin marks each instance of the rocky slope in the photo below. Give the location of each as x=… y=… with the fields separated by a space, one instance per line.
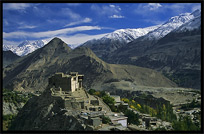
x=11 y=108
x=32 y=71
x=9 y=57
x=46 y=113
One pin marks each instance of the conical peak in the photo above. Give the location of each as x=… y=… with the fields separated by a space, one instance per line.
x=56 y=41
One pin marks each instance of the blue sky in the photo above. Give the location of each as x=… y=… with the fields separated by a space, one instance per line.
x=76 y=23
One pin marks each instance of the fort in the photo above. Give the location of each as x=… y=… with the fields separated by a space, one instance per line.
x=76 y=99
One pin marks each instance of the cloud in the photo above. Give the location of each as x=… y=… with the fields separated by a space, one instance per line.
x=15 y=6
x=7 y=42
x=22 y=34
x=153 y=6
x=106 y=10
x=70 y=13
x=146 y=9
x=116 y=16
x=5 y=22
x=27 y=27
x=112 y=6
x=157 y=22
x=86 y=20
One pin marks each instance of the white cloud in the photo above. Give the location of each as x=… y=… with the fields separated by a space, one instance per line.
x=15 y=6
x=106 y=10
x=22 y=34
x=113 y=6
x=153 y=6
x=157 y=22
x=116 y=16
x=27 y=27
x=5 y=22
x=86 y=20
x=70 y=13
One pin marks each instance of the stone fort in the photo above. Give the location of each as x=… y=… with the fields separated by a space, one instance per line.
x=69 y=88
x=69 y=83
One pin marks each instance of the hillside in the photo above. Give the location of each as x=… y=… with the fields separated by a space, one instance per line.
x=9 y=57
x=32 y=71
x=178 y=55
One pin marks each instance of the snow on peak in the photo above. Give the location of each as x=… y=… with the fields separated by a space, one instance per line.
x=127 y=35
x=191 y=25
x=25 y=47
x=24 y=43
x=170 y=25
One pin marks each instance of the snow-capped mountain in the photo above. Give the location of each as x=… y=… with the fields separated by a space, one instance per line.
x=127 y=35
x=195 y=23
x=25 y=47
x=115 y=40
x=171 y=24
x=9 y=47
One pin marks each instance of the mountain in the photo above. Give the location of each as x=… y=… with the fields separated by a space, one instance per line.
x=177 y=54
x=141 y=39
x=25 y=47
x=113 y=41
x=31 y=72
x=9 y=57
x=190 y=26
x=170 y=25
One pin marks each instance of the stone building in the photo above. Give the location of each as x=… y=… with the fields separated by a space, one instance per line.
x=118 y=118
x=63 y=82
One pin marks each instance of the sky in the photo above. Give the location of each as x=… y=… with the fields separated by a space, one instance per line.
x=76 y=23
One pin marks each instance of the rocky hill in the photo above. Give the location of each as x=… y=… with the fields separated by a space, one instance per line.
x=32 y=71
x=46 y=113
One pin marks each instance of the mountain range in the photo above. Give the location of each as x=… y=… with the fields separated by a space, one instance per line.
x=25 y=47
x=115 y=39
x=172 y=48
x=31 y=72
x=177 y=54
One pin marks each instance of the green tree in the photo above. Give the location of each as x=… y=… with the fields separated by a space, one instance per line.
x=132 y=117
x=91 y=91
x=105 y=119
x=108 y=100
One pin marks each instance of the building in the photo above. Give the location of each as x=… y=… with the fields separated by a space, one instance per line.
x=118 y=118
x=63 y=82
x=117 y=99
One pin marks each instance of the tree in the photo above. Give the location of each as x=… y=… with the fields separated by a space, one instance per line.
x=132 y=117
x=108 y=100
x=91 y=91
x=105 y=119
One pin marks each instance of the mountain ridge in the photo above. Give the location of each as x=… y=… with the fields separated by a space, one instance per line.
x=32 y=71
